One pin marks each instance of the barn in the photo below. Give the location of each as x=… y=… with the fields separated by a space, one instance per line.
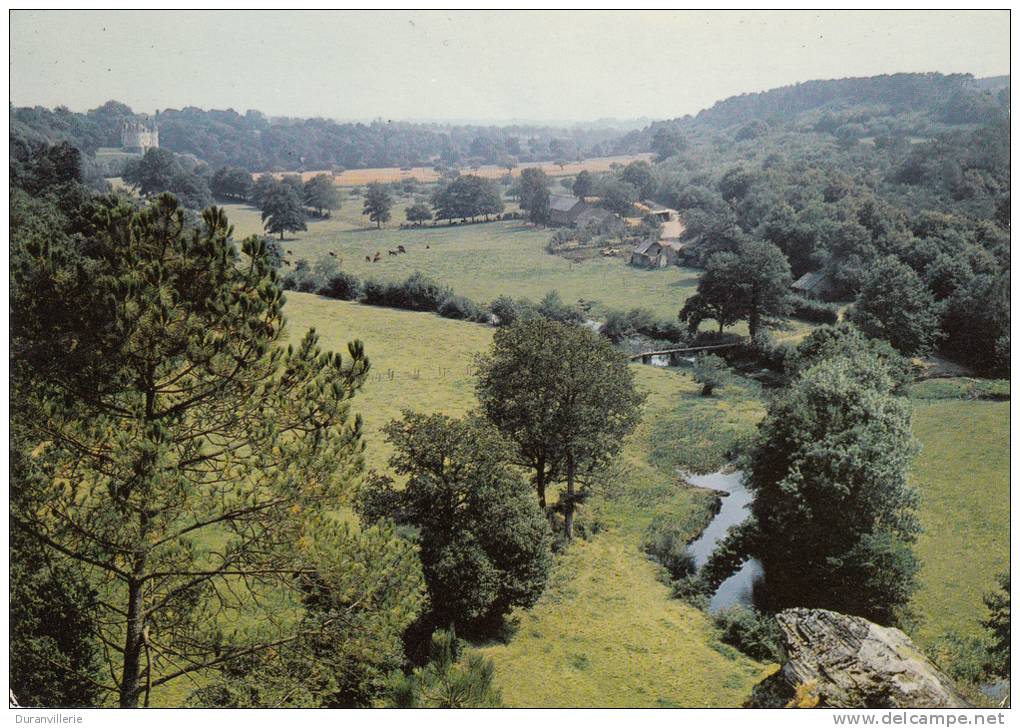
x=816 y=285
x=649 y=254
x=564 y=209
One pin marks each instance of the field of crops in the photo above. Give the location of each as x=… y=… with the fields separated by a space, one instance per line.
x=352 y=177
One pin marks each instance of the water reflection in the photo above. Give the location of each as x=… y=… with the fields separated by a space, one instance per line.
x=739 y=588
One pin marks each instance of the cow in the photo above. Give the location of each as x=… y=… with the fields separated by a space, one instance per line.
x=401 y=249
x=368 y=258
x=392 y=252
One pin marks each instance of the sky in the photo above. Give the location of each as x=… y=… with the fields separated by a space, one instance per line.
x=482 y=66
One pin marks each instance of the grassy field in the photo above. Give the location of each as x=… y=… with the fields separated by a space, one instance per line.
x=607 y=632
x=353 y=177
x=963 y=475
x=480 y=261
x=419 y=360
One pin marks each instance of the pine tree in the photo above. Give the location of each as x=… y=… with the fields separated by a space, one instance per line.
x=447 y=681
x=188 y=463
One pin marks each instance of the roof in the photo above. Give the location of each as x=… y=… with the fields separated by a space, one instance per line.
x=644 y=248
x=563 y=203
x=809 y=281
x=593 y=215
x=655 y=207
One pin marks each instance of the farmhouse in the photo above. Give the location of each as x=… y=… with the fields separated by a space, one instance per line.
x=649 y=254
x=564 y=209
x=815 y=284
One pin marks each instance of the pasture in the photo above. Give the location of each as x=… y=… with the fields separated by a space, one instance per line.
x=963 y=477
x=481 y=261
x=353 y=177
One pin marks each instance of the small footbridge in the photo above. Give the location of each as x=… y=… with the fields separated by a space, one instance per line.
x=675 y=355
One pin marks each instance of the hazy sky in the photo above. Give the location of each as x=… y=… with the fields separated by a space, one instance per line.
x=475 y=65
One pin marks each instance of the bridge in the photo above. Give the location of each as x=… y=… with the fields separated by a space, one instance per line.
x=646 y=356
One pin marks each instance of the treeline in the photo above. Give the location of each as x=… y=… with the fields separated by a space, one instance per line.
x=903 y=104
x=259 y=143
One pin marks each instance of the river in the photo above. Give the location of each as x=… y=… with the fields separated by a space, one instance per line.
x=739 y=588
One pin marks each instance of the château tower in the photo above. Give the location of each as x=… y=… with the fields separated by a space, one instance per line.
x=139 y=134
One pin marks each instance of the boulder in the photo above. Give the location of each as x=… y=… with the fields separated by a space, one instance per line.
x=844 y=661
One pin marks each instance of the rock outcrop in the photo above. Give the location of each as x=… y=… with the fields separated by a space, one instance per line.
x=849 y=662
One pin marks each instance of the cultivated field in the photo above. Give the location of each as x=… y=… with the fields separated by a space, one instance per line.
x=352 y=177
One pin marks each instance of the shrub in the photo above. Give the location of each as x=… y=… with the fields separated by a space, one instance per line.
x=343 y=286
x=447 y=680
x=709 y=372
x=459 y=307
x=754 y=633
x=816 y=311
x=620 y=325
x=416 y=293
x=506 y=310
x=963 y=658
x=665 y=543
x=553 y=308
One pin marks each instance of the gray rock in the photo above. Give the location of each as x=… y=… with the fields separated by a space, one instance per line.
x=854 y=663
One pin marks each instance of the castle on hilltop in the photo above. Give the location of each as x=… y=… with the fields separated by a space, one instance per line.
x=139 y=135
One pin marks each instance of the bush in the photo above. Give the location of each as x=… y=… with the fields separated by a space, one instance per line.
x=343 y=286
x=553 y=308
x=816 y=311
x=666 y=543
x=709 y=372
x=754 y=633
x=507 y=311
x=963 y=658
x=620 y=325
x=459 y=307
x=416 y=293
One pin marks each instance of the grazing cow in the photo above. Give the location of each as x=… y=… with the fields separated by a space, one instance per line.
x=290 y=252
x=401 y=249
x=332 y=253
x=378 y=255
x=392 y=252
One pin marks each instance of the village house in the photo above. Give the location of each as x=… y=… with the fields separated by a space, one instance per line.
x=668 y=249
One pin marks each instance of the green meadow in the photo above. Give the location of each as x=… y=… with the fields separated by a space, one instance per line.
x=480 y=261
x=962 y=474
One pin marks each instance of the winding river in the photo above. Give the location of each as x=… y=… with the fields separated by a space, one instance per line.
x=739 y=588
